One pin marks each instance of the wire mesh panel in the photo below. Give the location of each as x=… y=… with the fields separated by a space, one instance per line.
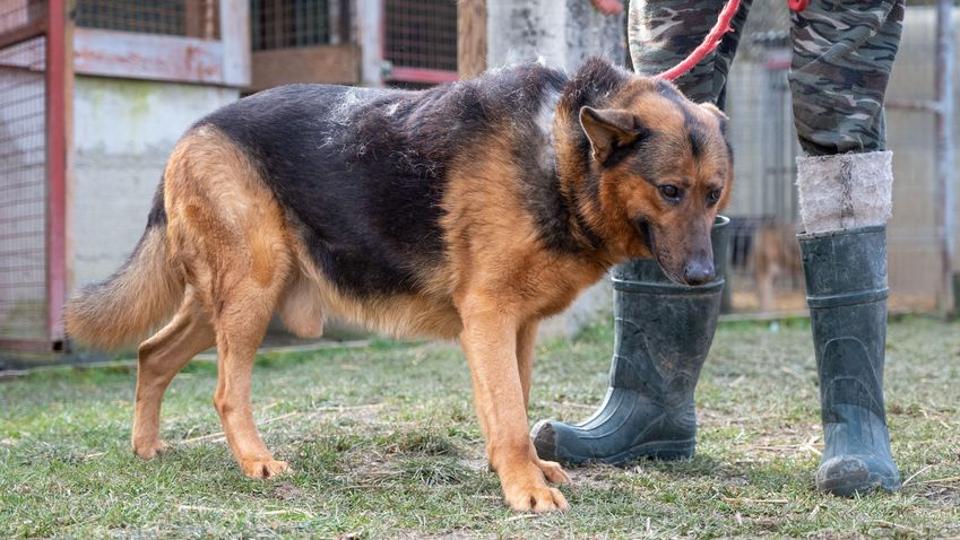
x=281 y=24
x=421 y=34
x=278 y=25
x=23 y=185
x=195 y=18
x=765 y=271
x=765 y=268
x=914 y=233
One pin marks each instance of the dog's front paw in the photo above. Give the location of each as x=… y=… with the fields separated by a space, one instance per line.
x=264 y=468
x=535 y=497
x=150 y=449
x=553 y=471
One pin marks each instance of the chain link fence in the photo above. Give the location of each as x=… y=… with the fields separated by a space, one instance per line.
x=23 y=179
x=300 y=23
x=765 y=270
x=190 y=18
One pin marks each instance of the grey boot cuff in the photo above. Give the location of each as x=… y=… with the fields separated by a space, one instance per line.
x=845 y=191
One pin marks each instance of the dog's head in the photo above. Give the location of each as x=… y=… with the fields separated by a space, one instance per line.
x=664 y=171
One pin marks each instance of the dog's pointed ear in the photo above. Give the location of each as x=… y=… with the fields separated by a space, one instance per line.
x=609 y=129
x=721 y=116
x=714 y=110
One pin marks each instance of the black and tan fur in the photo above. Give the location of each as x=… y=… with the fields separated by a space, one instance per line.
x=471 y=211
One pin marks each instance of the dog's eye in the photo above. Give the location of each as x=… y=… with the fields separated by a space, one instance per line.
x=671 y=192
x=714 y=196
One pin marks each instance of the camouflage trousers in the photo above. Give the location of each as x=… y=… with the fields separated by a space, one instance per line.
x=842 y=55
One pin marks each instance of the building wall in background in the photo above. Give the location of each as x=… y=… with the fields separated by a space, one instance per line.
x=561 y=34
x=124 y=130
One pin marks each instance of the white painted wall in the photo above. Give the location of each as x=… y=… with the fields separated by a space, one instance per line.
x=123 y=132
x=562 y=33
x=370 y=37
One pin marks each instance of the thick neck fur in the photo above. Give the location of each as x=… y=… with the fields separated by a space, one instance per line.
x=594 y=84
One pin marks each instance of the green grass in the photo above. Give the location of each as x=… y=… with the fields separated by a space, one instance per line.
x=384 y=443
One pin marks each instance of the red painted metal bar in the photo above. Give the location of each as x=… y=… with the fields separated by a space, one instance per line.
x=56 y=108
x=421 y=75
x=918 y=105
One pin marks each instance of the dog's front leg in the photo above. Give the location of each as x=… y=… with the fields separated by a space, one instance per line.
x=489 y=340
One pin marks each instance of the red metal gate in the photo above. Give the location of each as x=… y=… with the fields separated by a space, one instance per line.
x=33 y=147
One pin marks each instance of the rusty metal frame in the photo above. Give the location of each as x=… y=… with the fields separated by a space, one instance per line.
x=224 y=61
x=421 y=75
x=58 y=83
x=58 y=74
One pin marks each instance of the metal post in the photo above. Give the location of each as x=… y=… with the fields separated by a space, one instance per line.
x=58 y=92
x=946 y=175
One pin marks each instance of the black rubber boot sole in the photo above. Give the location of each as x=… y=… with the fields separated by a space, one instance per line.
x=848 y=476
x=545 y=439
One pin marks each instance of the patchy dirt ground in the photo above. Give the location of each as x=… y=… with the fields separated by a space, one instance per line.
x=384 y=443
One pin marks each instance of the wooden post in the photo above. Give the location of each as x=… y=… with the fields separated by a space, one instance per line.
x=235 y=38
x=193 y=18
x=471 y=38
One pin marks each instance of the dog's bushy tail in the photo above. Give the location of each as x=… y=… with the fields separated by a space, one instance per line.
x=144 y=292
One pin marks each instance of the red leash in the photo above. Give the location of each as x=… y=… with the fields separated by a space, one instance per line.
x=709 y=43
x=712 y=40
x=615 y=7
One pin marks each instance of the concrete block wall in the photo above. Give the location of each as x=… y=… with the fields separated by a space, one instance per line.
x=561 y=33
x=124 y=130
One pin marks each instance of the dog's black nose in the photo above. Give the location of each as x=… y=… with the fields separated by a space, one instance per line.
x=698 y=273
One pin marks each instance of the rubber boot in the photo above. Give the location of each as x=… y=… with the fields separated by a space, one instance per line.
x=846 y=274
x=663 y=332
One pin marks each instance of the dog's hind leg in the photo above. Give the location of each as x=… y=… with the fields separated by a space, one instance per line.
x=230 y=234
x=160 y=358
x=240 y=327
x=526 y=341
x=249 y=277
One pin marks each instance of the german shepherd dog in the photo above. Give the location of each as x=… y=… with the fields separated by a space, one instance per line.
x=471 y=210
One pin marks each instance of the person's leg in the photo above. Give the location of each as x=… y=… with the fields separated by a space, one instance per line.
x=663 y=330
x=662 y=33
x=842 y=56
